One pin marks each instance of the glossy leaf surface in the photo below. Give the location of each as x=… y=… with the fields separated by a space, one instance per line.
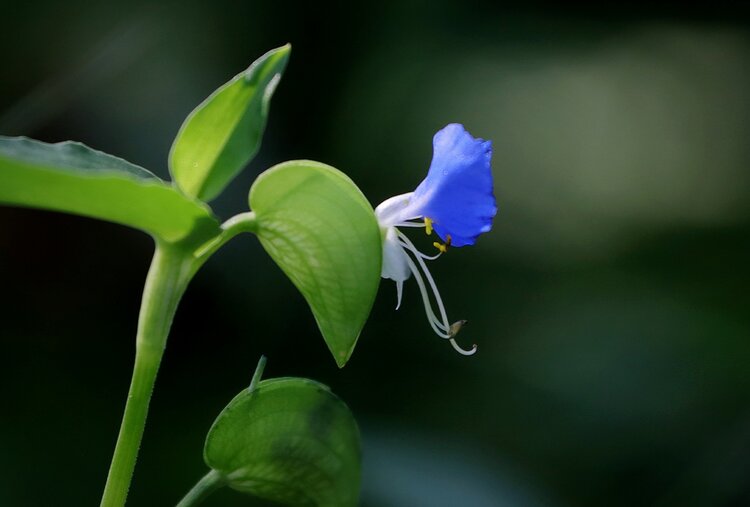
x=289 y=440
x=74 y=178
x=319 y=228
x=224 y=132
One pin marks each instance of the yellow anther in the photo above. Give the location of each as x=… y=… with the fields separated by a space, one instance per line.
x=428 y=225
x=443 y=247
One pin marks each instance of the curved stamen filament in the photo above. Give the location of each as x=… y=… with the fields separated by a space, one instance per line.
x=461 y=351
x=441 y=328
x=416 y=252
x=435 y=291
x=438 y=327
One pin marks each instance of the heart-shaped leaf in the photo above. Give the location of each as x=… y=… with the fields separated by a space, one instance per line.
x=74 y=178
x=224 y=132
x=319 y=228
x=289 y=440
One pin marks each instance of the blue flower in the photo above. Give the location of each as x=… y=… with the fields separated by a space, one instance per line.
x=456 y=201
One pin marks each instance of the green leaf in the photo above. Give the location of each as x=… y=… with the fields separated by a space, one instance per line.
x=223 y=133
x=319 y=228
x=74 y=178
x=289 y=440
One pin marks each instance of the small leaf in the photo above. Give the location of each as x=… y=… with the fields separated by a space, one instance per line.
x=74 y=178
x=289 y=440
x=319 y=228
x=223 y=133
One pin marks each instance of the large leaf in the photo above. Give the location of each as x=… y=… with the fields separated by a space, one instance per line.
x=322 y=232
x=223 y=133
x=289 y=440
x=74 y=178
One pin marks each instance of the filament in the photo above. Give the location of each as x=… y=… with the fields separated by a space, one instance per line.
x=461 y=351
x=417 y=253
x=410 y=224
x=440 y=328
x=428 y=275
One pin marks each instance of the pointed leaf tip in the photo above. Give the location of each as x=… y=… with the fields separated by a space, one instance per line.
x=321 y=231
x=223 y=134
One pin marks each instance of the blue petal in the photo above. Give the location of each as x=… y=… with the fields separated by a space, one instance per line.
x=457 y=192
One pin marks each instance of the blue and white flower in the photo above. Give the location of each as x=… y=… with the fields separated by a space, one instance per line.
x=456 y=201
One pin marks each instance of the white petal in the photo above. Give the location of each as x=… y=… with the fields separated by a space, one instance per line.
x=395 y=262
x=394 y=210
x=399 y=293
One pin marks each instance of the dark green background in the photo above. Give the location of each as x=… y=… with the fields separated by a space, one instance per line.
x=610 y=301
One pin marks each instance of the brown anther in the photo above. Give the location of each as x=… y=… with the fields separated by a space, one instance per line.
x=456 y=327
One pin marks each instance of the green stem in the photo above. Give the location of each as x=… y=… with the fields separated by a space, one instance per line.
x=167 y=279
x=213 y=479
x=204 y=487
x=171 y=270
x=243 y=222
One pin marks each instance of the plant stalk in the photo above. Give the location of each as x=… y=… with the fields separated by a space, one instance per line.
x=204 y=487
x=167 y=279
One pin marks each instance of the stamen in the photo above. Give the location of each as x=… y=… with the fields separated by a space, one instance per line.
x=428 y=225
x=438 y=327
x=461 y=351
x=443 y=247
x=416 y=252
x=409 y=224
x=428 y=275
x=456 y=327
x=453 y=331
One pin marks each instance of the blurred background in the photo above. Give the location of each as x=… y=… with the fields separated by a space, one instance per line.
x=609 y=303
